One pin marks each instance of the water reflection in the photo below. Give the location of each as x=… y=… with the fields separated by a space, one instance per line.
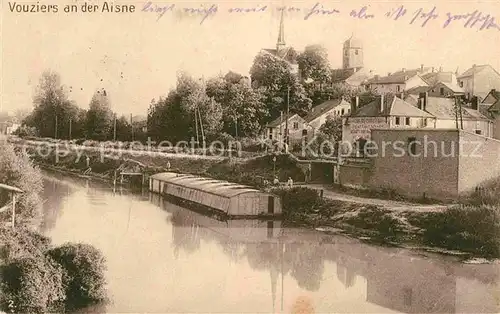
x=161 y=257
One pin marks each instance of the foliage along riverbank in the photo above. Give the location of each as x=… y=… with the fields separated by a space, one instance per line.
x=473 y=230
x=36 y=277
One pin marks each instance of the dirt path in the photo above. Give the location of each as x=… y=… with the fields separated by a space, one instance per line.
x=389 y=204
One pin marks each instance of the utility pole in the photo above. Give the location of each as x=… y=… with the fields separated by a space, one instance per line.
x=55 y=132
x=196 y=126
x=460 y=112
x=114 y=127
x=201 y=126
x=70 y=128
x=236 y=126
x=132 y=127
x=456 y=112
x=287 y=114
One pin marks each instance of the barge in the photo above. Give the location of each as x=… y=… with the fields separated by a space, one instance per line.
x=230 y=199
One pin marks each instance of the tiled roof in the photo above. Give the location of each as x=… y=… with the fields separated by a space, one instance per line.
x=436 y=77
x=395 y=78
x=320 y=109
x=340 y=75
x=443 y=108
x=282 y=53
x=276 y=122
x=418 y=89
x=474 y=70
x=411 y=99
x=453 y=87
x=393 y=106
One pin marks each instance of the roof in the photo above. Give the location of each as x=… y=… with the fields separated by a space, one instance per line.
x=474 y=70
x=340 y=75
x=320 y=109
x=453 y=87
x=212 y=186
x=283 y=54
x=394 y=78
x=443 y=108
x=418 y=89
x=435 y=77
x=276 y=122
x=496 y=105
x=393 y=106
x=353 y=42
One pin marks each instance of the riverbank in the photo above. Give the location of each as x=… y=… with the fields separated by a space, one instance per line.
x=472 y=231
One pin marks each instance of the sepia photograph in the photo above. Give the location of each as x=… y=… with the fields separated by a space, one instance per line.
x=281 y=156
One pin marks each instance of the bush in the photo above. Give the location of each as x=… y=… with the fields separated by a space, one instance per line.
x=84 y=268
x=21 y=243
x=298 y=200
x=474 y=229
x=31 y=285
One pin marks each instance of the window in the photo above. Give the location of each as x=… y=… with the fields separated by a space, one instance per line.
x=424 y=122
x=412 y=146
x=478 y=132
x=407 y=122
x=342 y=111
x=295 y=125
x=462 y=84
x=441 y=91
x=398 y=88
x=270 y=136
x=356 y=51
x=304 y=132
x=397 y=121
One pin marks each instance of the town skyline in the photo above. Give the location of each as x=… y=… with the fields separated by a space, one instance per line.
x=131 y=56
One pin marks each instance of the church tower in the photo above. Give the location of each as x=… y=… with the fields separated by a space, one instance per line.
x=280 y=44
x=352 y=54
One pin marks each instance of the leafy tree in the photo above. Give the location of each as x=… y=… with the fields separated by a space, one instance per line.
x=52 y=111
x=332 y=128
x=313 y=64
x=274 y=78
x=99 y=117
x=243 y=110
x=174 y=117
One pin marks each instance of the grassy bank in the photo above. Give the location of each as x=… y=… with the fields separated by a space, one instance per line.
x=252 y=171
x=474 y=230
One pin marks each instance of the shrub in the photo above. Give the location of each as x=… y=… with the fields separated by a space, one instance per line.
x=31 y=285
x=474 y=229
x=21 y=243
x=84 y=268
x=298 y=200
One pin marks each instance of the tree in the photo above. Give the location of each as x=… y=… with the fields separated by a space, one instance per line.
x=52 y=111
x=332 y=128
x=177 y=117
x=99 y=120
x=243 y=110
x=314 y=64
x=274 y=78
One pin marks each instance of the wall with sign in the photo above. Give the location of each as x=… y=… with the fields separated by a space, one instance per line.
x=360 y=127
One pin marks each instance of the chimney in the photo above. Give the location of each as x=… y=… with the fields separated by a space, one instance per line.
x=494 y=91
x=440 y=69
x=423 y=99
x=474 y=103
x=432 y=69
x=403 y=70
x=421 y=68
x=388 y=73
x=382 y=103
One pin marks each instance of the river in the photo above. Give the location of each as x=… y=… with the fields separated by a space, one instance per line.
x=166 y=259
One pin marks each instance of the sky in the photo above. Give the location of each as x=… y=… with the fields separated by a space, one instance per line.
x=137 y=56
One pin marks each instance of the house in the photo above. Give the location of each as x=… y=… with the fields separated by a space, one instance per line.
x=397 y=82
x=335 y=108
x=490 y=106
x=445 y=89
x=443 y=110
x=297 y=128
x=479 y=80
x=283 y=52
x=385 y=112
x=434 y=77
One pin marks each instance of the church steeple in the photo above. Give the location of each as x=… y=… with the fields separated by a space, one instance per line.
x=281 y=35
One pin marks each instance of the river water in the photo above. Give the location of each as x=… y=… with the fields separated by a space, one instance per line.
x=166 y=259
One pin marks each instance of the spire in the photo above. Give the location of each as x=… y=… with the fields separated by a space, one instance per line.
x=281 y=35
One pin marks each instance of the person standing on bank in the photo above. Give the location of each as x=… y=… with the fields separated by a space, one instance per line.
x=308 y=173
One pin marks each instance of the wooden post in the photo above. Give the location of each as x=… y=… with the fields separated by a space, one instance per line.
x=13 y=210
